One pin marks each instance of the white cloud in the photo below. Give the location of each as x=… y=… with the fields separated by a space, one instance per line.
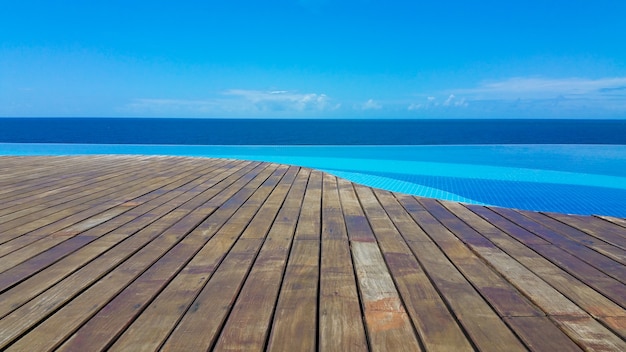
x=432 y=103
x=171 y=106
x=236 y=102
x=530 y=97
x=282 y=100
x=371 y=105
x=541 y=88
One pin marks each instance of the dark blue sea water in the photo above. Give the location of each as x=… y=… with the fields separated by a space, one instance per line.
x=568 y=166
x=308 y=132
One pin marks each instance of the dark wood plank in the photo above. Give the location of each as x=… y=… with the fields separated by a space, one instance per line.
x=122 y=230
x=29 y=184
x=59 y=217
x=202 y=249
x=88 y=187
x=504 y=297
x=600 y=229
x=435 y=324
x=340 y=319
x=618 y=221
x=556 y=292
x=607 y=265
x=541 y=334
x=216 y=299
x=480 y=321
x=95 y=227
x=387 y=322
x=248 y=323
x=168 y=253
x=73 y=313
x=609 y=250
x=591 y=276
x=295 y=321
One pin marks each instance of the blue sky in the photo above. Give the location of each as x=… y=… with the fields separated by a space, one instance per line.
x=314 y=58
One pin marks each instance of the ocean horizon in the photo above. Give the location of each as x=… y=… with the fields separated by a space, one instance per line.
x=210 y=131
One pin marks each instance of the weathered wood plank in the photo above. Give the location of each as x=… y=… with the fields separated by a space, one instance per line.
x=85 y=234
x=340 y=321
x=202 y=322
x=541 y=334
x=505 y=299
x=435 y=324
x=121 y=230
x=606 y=265
x=295 y=320
x=35 y=310
x=590 y=334
x=59 y=217
x=154 y=325
x=167 y=253
x=591 y=276
x=387 y=323
x=609 y=250
x=111 y=321
x=247 y=328
x=90 y=184
x=556 y=292
x=600 y=229
x=480 y=321
x=618 y=221
x=27 y=181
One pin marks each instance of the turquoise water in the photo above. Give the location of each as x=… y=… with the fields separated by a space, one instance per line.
x=577 y=179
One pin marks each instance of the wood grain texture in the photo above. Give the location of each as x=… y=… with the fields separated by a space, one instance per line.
x=167 y=253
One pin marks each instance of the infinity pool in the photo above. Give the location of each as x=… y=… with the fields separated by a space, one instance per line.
x=574 y=179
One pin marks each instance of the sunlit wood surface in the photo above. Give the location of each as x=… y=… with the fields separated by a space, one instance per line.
x=191 y=254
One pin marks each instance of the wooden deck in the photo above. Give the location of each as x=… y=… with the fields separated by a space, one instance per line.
x=184 y=254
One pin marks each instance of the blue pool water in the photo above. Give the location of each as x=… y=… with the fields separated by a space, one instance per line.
x=575 y=179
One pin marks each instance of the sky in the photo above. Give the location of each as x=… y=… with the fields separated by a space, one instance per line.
x=313 y=59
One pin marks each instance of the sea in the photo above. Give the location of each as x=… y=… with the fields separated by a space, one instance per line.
x=179 y=131
x=565 y=166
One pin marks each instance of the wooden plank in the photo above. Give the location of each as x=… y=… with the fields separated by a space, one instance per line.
x=387 y=322
x=600 y=229
x=606 y=265
x=25 y=317
x=482 y=324
x=357 y=224
x=195 y=331
x=203 y=248
x=435 y=324
x=82 y=233
x=513 y=254
x=247 y=326
x=541 y=334
x=388 y=325
x=504 y=297
x=611 y=251
x=199 y=253
x=618 y=221
x=592 y=335
x=59 y=217
x=123 y=227
x=340 y=320
x=553 y=290
x=92 y=183
x=295 y=321
x=591 y=276
x=31 y=184
x=15 y=233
